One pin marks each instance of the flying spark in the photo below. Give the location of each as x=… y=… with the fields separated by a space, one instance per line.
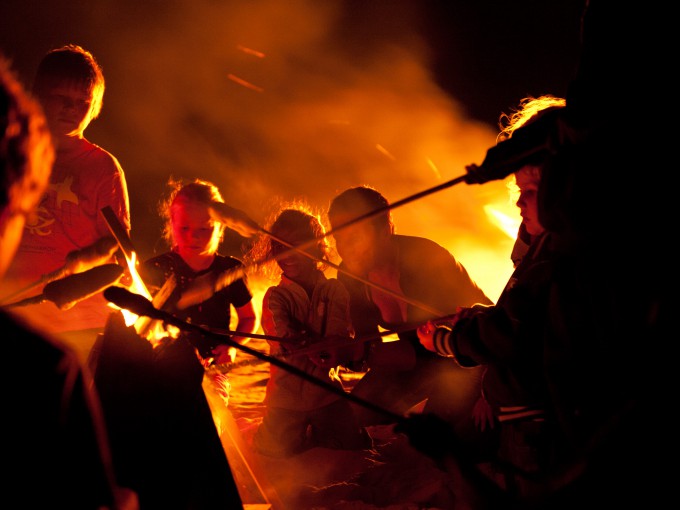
x=245 y=83
x=250 y=51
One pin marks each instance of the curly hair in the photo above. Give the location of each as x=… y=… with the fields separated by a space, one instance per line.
x=294 y=216
x=529 y=109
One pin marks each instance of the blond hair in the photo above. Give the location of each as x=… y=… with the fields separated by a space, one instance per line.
x=529 y=109
x=71 y=65
x=196 y=191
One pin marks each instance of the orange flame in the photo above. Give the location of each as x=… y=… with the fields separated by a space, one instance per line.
x=153 y=331
x=137 y=287
x=506 y=223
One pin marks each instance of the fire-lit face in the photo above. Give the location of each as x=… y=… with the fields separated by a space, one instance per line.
x=194 y=233
x=295 y=265
x=68 y=109
x=527 y=179
x=357 y=244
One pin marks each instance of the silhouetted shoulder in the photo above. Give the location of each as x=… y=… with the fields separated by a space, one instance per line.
x=222 y=263
x=429 y=272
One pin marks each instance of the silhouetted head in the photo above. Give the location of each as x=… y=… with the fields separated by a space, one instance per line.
x=71 y=66
x=526 y=180
x=357 y=201
x=361 y=244
x=26 y=157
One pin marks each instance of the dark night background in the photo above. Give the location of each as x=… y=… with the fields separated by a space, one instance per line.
x=397 y=94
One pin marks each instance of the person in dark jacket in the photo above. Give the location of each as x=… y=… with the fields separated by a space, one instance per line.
x=396 y=282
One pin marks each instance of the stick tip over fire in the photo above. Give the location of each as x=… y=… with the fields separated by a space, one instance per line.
x=234 y=219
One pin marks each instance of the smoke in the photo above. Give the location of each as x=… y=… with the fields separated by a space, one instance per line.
x=279 y=100
x=273 y=101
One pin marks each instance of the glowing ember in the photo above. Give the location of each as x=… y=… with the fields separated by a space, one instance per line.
x=434 y=168
x=245 y=83
x=391 y=337
x=250 y=51
x=385 y=151
x=334 y=374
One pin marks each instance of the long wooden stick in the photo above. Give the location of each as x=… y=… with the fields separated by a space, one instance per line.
x=140 y=305
x=315 y=347
x=232 y=275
